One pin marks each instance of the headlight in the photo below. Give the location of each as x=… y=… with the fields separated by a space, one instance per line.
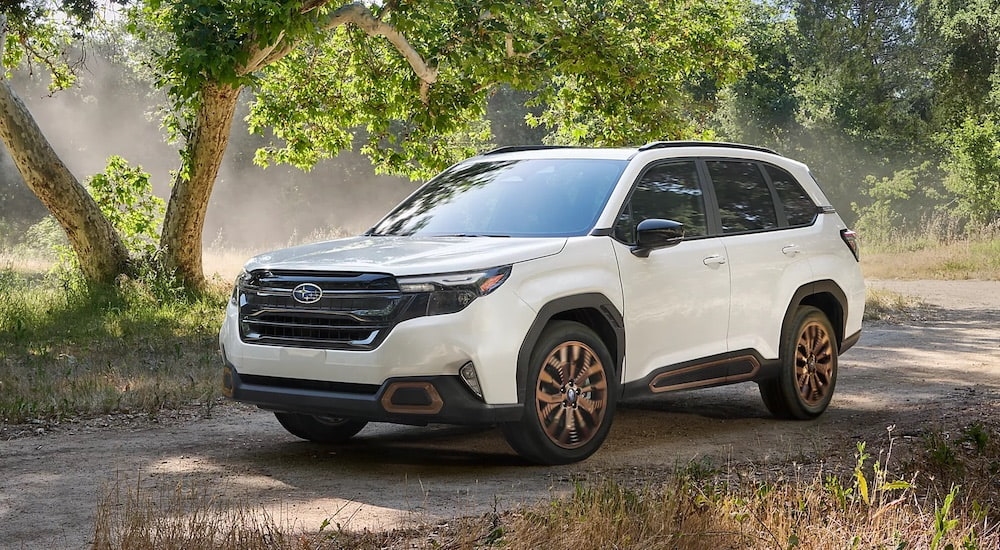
x=234 y=297
x=451 y=292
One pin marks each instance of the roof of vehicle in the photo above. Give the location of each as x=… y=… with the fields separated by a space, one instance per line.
x=623 y=153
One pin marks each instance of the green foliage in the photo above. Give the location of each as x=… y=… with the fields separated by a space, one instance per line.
x=317 y=98
x=45 y=237
x=973 y=168
x=126 y=198
x=44 y=33
x=860 y=63
x=629 y=72
x=761 y=107
x=604 y=73
x=901 y=204
x=942 y=523
x=978 y=435
x=968 y=75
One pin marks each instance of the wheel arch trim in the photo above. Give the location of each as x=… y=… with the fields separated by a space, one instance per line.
x=594 y=305
x=812 y=294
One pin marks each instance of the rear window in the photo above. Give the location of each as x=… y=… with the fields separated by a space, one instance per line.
x=799 y=208
x=745 y=202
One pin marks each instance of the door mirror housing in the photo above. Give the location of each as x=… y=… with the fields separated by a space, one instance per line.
x=655 y=233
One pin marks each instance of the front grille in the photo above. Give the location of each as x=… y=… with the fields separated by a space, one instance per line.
x=356 y=311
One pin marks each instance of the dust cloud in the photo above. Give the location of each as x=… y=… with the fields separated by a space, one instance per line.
x=252 y=209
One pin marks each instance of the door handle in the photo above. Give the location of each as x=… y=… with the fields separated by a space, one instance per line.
x=790 y=250
x=715 y=259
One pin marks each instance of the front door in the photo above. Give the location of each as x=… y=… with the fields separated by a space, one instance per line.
x=677 y=298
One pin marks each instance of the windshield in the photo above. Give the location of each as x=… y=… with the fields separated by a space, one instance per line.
x=508 y=198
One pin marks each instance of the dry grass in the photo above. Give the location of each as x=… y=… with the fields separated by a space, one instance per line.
x=937 y=504
x=886 y=305
x=188 y=519
x=25 y=263
x=968 y=259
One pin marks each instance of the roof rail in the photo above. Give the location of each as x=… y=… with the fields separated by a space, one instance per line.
x=518 y=148
x=666 y=144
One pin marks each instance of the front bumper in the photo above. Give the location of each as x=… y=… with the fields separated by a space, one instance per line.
x=417 y=400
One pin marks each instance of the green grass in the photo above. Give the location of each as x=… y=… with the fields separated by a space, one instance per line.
x=66 y=351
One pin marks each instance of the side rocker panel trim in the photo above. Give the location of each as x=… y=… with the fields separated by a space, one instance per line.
x=719 y=370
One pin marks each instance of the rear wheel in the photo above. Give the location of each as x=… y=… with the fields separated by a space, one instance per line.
x=570 y=397
x=808 y=375
x=320 y=429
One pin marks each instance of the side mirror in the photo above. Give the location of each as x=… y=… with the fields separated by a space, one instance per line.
x=653 y=233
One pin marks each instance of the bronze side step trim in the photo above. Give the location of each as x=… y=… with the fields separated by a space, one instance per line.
x=681 y=379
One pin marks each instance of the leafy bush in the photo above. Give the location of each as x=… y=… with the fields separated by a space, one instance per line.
x=910 y=203
x=126 y=198
x=974 y=168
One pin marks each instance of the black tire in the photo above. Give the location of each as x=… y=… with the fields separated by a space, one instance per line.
x=570 y=397
x=320 y=429
x=808 y=376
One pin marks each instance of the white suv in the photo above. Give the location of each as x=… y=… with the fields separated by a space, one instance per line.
x=535 y=287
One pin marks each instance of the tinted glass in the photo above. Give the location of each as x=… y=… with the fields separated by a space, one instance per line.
x=799 y=208
x=745 y=202
x=667 y=192
x=511 y=198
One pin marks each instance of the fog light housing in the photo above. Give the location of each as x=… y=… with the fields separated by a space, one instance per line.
x=468 y=374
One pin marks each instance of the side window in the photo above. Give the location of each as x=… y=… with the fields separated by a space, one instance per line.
x=799 y=208
x=668 y=191
x=745 y=202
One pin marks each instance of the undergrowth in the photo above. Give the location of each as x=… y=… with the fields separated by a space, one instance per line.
x=68 y=350
x=972 y=258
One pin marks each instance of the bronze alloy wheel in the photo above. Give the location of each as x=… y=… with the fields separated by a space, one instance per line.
x=571 y=394
x=804 y=386
x=814 y=363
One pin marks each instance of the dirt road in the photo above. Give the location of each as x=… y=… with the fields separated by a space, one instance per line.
x=938 y=370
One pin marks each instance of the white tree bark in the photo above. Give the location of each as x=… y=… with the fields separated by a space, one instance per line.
x=98 y=246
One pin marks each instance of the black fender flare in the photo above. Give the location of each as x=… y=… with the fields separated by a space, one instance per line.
x=825 y=286
x=595 y=302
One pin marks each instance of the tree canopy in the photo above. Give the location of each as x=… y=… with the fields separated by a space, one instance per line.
x=894 y=102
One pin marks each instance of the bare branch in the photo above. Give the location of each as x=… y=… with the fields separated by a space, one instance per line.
x=259 y=57
x=312 y=5
x=360 y=16
x=3 y=41
x=512 y=53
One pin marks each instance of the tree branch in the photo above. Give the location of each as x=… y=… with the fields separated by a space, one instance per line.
x=260 y=58
x=3 y=42
x=360 y=16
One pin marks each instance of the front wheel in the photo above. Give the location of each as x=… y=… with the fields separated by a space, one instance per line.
x=570 y=399
x=320 y=429
x=808 y=368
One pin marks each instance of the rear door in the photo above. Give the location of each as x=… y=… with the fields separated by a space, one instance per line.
x=767 y=246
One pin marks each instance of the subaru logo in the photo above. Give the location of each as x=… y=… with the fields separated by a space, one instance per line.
x=307 y=293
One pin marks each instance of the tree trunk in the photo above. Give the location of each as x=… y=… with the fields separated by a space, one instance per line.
x=185 y=218
x=98 y=246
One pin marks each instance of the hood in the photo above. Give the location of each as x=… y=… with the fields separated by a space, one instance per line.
x=408 y=255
